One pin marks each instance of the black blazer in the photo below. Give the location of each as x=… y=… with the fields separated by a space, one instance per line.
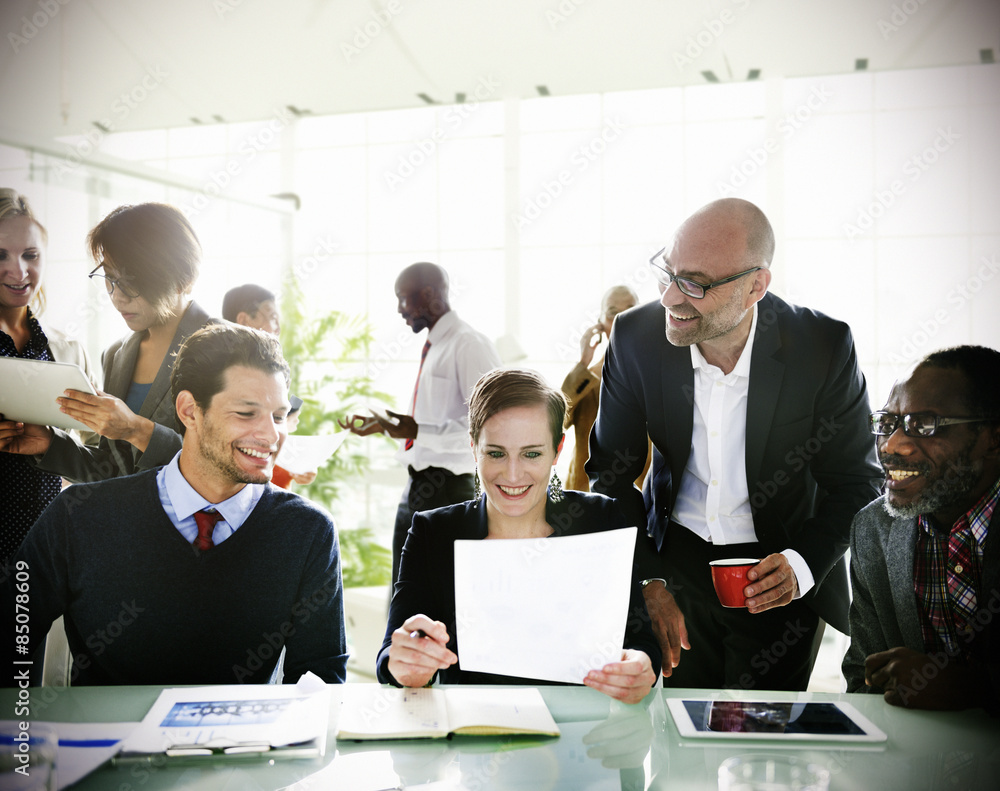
x=427 y=576
x=810 y=458
x=111 y=458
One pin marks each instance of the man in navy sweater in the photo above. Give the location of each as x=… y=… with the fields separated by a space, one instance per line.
x=198 y=572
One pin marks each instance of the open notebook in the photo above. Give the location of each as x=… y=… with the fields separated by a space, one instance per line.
x=370 y=711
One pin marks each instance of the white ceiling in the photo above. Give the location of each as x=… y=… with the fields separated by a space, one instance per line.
x=131 y=64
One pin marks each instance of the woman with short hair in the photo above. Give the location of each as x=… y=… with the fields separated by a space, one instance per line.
x=148 y=257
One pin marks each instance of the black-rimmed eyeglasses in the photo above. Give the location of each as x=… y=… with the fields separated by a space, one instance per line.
x=111 y=283
x=691 y=288
x=883 y=424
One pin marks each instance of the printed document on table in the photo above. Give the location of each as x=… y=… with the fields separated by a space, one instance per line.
x=546 y=608
x=234 y=718
x=83 y=746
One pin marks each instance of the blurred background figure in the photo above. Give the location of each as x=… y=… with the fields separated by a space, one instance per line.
x=282 y=477
x=147 y=256
x=435 y=433
x=252 y=306
x=582 y=385
x=24 y=490
x=255 y=307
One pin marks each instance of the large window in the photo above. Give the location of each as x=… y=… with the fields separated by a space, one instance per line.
x=882 y=189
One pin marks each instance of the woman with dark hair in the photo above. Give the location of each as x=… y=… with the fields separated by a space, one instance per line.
x=24 y=490
x=147 y=256
x=515 y=421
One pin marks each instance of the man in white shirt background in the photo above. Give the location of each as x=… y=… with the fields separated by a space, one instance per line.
x=435 y=434
x=757 y=411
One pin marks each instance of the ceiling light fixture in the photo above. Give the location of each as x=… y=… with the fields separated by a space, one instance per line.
x=753 y=74
x=542 y=90
x=459 y=98
x=861 y=64
x=709 y=76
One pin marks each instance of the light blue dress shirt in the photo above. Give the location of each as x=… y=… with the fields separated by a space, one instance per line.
x=180 y=503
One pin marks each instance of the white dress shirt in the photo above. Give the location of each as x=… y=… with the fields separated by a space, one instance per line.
x=180 y=503
x=457 y=358
x=713 y=499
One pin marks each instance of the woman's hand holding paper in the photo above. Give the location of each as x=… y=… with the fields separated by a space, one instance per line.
x=629 y=680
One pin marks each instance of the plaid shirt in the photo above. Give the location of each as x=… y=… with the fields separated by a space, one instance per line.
x=947 y=574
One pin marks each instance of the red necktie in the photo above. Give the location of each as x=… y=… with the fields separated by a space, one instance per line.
x=423 y=356
x=206 y=525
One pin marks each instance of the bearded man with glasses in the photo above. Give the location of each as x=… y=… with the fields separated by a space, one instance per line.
x=925 y=557
x=757 y=411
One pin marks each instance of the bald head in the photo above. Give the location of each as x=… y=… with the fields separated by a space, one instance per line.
x=619 y=293
x=616 y=299
x=422 y=295
x=423 y=275
x=738 y=224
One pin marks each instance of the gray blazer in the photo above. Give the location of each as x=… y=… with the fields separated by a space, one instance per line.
x=884 y=611
x=78 y=462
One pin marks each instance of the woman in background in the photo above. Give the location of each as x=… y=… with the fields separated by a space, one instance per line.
x=515 y=420
x=24 y=490
x=148 y=257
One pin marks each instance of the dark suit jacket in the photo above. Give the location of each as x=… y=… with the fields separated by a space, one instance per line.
x=884 y=612
x=427 y=576
x=810 y=458
x=111 y=458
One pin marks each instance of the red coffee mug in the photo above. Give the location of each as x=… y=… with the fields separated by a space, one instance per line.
x=729 y=576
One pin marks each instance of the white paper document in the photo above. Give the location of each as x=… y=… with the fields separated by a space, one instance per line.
x=546 y=608
x=304 y=453
x=235 y=718
x=84 y=746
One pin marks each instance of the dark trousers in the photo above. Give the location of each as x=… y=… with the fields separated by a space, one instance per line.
x=432 y=487
x=775 y=649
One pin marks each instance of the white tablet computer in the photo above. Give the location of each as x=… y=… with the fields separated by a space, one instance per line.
x=810 y=721
x=29 y=389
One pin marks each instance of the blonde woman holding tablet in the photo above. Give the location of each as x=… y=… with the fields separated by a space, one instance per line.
x=24 y=489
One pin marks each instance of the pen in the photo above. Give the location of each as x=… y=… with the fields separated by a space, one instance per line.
x=418 y=633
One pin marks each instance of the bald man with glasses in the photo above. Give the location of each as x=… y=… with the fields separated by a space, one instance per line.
x=925 y=556
x=757 y=411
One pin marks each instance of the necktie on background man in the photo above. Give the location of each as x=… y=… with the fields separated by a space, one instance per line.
x=206 y=525
x=423 y=356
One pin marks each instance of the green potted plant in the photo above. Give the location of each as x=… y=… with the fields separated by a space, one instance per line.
x=325 y=353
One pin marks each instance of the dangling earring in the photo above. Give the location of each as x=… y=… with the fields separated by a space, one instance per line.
x=476 y=491
x=555 y=488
